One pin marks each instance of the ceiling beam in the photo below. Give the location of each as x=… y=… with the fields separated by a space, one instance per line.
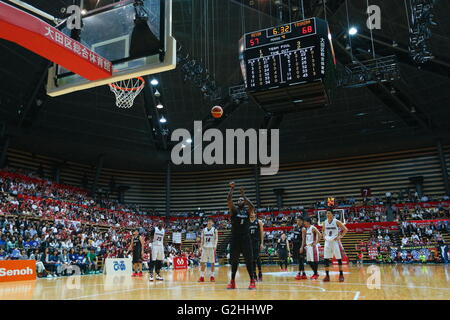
x=439 y=65
x=399 y=103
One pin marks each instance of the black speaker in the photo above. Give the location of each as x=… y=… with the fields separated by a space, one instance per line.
x=416 y=180
x=143 y=42
x=418 y=183
x=279 y=193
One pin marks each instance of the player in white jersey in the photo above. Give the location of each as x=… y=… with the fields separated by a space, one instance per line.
x=157 y=251
x=333 y=247
x=208 y=248
x=310 y=244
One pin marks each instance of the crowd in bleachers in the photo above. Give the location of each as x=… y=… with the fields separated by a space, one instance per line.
x=414 y=234
x=417 y=242
x=31 y=196
x=421 y=213
x=58 y=244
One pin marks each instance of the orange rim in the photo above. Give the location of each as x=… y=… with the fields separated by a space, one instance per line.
x=130 y=89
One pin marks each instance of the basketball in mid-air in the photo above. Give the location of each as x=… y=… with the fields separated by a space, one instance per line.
x=217 y=112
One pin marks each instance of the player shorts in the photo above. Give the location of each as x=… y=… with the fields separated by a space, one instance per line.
x=137 y=257
x=282 y=254
x=312 y=253
x=333 y=248
x=157 y=253
x=208 y=255
x=296 y=252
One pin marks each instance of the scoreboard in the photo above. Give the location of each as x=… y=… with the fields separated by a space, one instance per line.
x=292 y=54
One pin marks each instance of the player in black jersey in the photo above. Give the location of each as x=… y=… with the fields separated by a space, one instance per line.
x=240 y=236
x=283 y=251
x=298 y=251
x=257 y=236
x=137 y=248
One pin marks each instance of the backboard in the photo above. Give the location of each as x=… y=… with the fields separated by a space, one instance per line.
x=108 y=32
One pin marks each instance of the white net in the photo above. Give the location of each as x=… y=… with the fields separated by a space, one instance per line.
x=126 y=91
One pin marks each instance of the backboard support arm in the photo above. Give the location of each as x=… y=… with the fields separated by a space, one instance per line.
x=36 y=11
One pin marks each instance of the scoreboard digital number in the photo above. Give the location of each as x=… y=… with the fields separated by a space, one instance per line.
x=292 y=30
x=290 y=54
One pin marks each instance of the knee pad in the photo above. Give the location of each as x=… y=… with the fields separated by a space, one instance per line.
x=340 y=262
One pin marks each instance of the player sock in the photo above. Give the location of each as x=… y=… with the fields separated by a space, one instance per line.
x=158 y=266
x=151 y=266
x=327 y=272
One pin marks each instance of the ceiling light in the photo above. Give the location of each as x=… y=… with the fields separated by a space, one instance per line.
x=189 y=141
x=163 y=120
x=160 y=106
x=154 y=82
x=352 y=31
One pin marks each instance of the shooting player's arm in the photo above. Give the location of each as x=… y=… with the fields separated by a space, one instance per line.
x=230 y=199
x=250 y=205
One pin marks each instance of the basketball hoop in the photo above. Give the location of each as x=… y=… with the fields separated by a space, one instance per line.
x=126 y=91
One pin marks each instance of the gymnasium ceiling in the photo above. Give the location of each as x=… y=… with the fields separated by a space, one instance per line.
x=83 y=125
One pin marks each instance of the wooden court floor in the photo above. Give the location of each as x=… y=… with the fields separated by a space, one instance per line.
x=404 y=282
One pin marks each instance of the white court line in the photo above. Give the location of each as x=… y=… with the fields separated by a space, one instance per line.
x=103 y=294
x=268 y=290
x=263 y=284
x=356 y=297
x=130 y=290
x=295 y=283
x=410 y=286
x=283 y=290
x=194 y=288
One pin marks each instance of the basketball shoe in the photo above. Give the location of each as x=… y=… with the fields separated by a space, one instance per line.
x=232 y=285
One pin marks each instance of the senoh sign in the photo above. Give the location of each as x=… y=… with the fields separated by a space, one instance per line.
x=17 y=270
